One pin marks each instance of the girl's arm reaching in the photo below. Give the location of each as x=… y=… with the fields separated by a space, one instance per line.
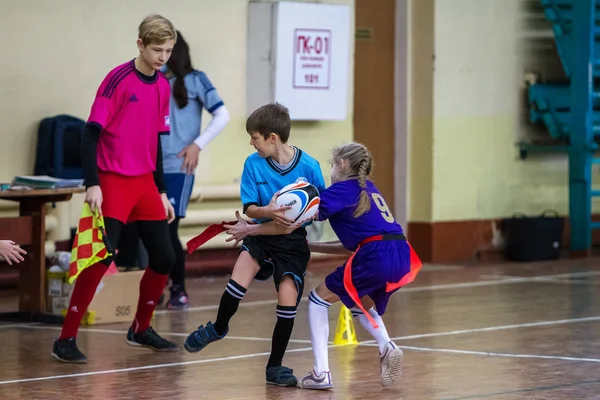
x=242 y=228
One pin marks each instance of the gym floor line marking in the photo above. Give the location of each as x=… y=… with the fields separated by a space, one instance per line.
x=500 y=280
x=494 y=328
x=526 y=390
x=366 y=342
x=177 y=334
x=494 y=354
x=246 y=356
x=559 y=280
x=11 y=326
x=216 y=306
x=145 y=367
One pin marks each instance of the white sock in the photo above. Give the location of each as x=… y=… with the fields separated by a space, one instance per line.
x=318 y=322
x=380 y=334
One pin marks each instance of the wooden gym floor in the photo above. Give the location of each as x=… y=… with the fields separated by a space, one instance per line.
x=491 y=332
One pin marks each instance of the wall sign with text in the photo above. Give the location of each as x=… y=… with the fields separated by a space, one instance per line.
x=312 y=58
x=299 y=54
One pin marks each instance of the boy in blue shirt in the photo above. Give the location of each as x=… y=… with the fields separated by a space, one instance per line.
x=281 y=250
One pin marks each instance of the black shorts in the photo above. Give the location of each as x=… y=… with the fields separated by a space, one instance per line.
x=280 y=255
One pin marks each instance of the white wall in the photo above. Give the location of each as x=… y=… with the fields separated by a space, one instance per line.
x=57 y=53
x=482 y=51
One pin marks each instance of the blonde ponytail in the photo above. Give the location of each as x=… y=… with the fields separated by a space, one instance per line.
x=364 y=202
x=359 y=163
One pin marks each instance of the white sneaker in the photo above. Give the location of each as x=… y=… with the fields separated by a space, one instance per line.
x=390 y=363
x=314 y=381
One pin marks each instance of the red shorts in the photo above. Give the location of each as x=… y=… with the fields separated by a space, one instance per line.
x=131 y=198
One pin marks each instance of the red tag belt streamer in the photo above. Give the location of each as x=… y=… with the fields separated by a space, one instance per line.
x=207 y=234
x=415 y=266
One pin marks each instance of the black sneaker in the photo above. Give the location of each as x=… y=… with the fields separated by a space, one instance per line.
x=66 y=351
x=150 y=339
x=281 y=376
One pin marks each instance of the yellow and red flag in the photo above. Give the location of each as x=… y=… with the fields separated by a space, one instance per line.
x=91 y=244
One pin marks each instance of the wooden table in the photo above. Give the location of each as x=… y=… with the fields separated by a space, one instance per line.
x=29 y=230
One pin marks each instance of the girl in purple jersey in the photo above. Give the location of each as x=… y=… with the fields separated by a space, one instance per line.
x=381 y=261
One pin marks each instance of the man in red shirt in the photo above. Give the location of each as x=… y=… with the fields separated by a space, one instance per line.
x=122 y=162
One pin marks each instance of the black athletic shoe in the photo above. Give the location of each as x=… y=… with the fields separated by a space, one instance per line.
x=281 y=376
x=150 y=339
x=66 y=351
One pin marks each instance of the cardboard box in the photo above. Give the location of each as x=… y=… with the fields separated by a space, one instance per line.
x=59 y=291
x=116 y=298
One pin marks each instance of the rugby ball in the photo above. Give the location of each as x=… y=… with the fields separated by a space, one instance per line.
x=302 y=197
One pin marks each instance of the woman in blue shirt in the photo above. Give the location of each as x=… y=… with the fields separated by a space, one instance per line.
x=191 y=92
